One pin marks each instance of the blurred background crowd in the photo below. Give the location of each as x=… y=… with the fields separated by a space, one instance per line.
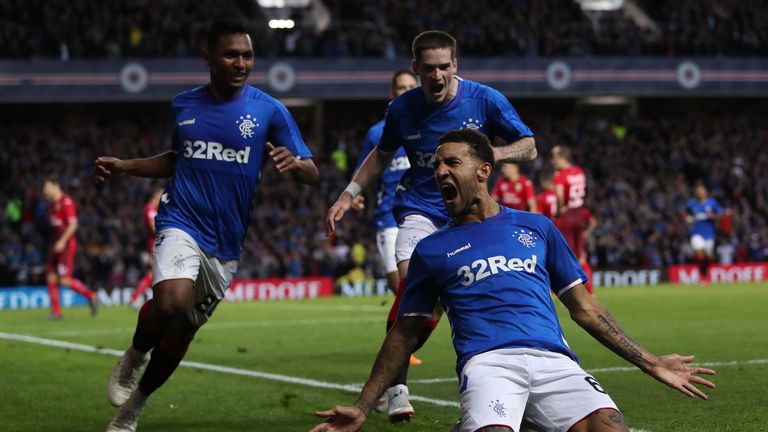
x=78 y=29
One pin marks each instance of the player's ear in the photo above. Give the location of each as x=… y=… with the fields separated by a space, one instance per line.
x=484 y=172
x=206 y=57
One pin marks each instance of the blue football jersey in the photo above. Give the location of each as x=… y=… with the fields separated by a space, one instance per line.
x=389 y=179
x=493 y=279
x=416 y=125
x=220 y=150
x=702 y=225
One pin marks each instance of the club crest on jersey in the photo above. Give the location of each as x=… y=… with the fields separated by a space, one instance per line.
x=471 y=123
x=526 y=238
x=246 y=124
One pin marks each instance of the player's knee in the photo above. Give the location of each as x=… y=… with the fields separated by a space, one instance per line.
x=495 y=429
x=602 y=420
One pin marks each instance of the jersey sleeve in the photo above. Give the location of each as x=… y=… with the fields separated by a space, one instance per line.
x=283 y=132
x=368 y=145
x=563 y=267
x=68 y=210
x=421 y=291
x=390 y=136
x=506 y=123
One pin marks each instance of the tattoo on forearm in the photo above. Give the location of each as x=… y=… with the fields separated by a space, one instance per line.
x=613 y=335
x=520 y=151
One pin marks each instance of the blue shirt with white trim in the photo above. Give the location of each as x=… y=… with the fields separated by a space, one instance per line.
x=389 y=179
x=416 y=125
x=220 y=151
x=702 y=224
x=493 y=279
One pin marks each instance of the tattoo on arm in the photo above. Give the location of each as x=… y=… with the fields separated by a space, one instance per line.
x=522 y=150
x=611 y=335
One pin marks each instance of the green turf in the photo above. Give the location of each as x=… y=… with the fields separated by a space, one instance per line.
x=334 y=340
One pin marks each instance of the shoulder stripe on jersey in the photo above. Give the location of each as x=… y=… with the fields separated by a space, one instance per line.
x=567 y=287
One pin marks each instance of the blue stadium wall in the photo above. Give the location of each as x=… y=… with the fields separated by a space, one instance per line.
x=330 y=79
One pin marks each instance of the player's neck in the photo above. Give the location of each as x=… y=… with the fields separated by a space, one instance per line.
x=223 y=93
x=483 y=209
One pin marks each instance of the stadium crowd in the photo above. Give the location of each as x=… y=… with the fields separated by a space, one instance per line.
x=640 y=169
x=383 y=28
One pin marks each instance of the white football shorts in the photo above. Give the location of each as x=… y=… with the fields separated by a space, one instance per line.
x=177 y=256
x=385 y=242
x=409 y=233
x=699 y=243
x=541 y=390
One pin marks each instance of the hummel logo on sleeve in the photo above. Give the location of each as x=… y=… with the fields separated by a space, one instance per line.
x=461 y=249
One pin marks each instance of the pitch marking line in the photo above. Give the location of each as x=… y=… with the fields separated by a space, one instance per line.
x=222 y=326
x=615 y=369
x=351 y=388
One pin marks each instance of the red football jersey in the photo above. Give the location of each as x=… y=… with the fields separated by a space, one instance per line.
x=150 y=211
x=513 y=194
x=546 y=202
x=60 y=213
x=574 y=184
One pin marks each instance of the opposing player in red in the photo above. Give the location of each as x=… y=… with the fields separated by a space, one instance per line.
x=514 y=190
x=62 y=216
x=150 y=211
x=571 y=190
x=546 y=200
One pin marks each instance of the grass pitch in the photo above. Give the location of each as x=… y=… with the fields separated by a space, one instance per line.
x=268 y=366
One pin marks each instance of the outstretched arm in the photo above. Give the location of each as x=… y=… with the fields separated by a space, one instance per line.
x=158 y=166
x=522 y=150
x=673 y=370
x=370 y=170
x=397 y=347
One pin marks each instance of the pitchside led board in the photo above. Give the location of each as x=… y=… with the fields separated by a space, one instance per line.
x=36 y=297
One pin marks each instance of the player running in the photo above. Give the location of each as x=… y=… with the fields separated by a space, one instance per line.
x=59 y=265
x=415 y=121
x=493 y=269
x=222 y=135
x=703 y=212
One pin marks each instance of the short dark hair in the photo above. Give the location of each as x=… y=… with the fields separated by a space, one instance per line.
x=53 y=178
x=479 y=144
x=433 y=39
x=223 y=27
x=402 y=72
